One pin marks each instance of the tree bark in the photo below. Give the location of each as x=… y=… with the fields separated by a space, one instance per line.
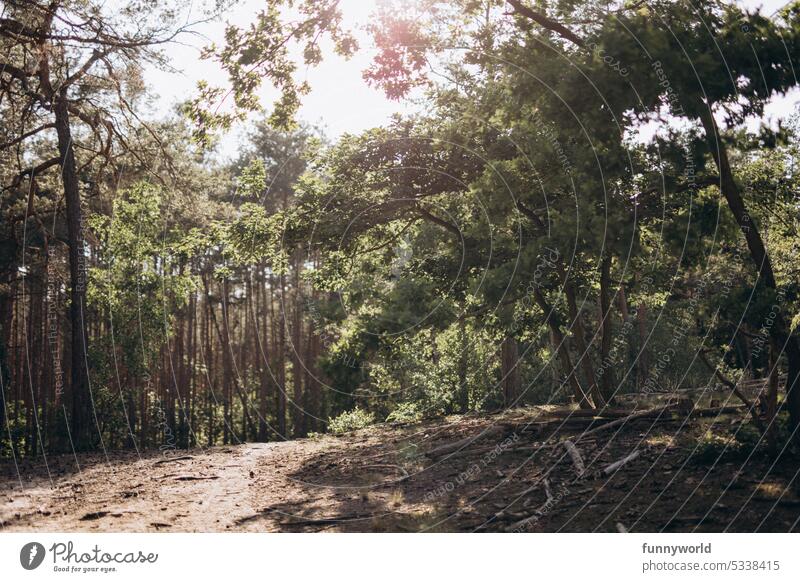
x=79 y=386
x=298 y=372
x=463 y=365
x=509 y=370
x=608 y=383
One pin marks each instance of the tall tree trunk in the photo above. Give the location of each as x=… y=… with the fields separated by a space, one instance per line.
x=263 y=357
x=608 y=383
x=509 y=370
x=463 y=363
x=643 y=357
x=280 y=362
x=81 y=397
x=771 y=398
x=298 y=413
x=6 y=318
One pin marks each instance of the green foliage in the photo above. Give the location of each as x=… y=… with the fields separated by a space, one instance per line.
x=406 y=413
x=348 y=421
x=265 y=50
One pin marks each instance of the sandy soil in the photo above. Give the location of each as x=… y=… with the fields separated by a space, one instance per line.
x=399 y=478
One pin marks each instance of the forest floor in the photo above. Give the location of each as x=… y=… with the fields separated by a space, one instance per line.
x=503 y=472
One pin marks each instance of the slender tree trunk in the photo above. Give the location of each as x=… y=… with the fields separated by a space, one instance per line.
x=280 y=362
x=463 y=364
x=643 y=356
x=771 y=398
x=298 y=413
x=81 y=398
x=509 y=369
x=263 y=357
x=6 y=319
x=608 y=383
x=208 y=360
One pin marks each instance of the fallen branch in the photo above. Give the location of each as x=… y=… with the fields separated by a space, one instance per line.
x=173 y=459
x=598 y=413
x=634 y=416
x=575 y=455
x=547 y=490
x=617 y=464
x=524 y=522
x=195 y=478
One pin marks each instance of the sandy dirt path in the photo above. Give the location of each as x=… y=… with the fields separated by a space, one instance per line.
x=208 y=490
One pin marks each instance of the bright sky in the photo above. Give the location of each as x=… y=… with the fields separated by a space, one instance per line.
x=340 y=101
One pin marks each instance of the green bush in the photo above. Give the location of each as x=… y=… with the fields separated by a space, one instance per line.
x=406 y=413
x=352 y=420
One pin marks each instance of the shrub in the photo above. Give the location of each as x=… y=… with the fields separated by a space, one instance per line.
x=406 y=413
x=351 y=420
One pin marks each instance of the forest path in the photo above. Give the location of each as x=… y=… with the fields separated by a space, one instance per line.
x=201 y=490
x=421 y=477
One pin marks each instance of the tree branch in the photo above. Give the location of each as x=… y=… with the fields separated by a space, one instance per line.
x=26 y=135
x=33 y=171
x=548 y=23
x=443 y=223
